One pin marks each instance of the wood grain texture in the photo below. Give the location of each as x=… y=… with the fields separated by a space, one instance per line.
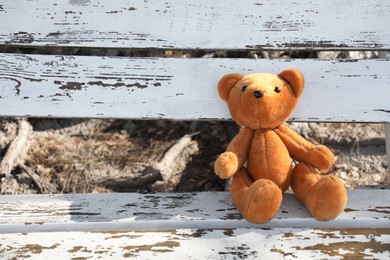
x=171 y=226
x=204 y=24
x=174 y=88
x=255 y=243
x=170 y=211
x=186 y=226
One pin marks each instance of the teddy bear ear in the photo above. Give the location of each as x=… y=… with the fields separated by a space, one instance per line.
x=226 y=83
x=295 y=78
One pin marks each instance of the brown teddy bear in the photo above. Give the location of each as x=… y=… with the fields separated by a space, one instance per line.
x=261 y=103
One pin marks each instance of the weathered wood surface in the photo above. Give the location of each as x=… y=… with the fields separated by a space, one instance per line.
x=201 y=225
x=186 y=226
x=170 y=211
x=108 y=87
x=272 y=243
x=229 y=24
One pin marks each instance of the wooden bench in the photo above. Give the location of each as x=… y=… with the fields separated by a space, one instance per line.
x=188 y=225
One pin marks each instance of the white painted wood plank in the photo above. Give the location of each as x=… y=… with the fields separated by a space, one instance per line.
x=169 y=211
x=229 y=24
x=273 y=243
x=104 y=87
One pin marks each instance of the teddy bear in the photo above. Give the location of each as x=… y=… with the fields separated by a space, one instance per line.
x=266 y=157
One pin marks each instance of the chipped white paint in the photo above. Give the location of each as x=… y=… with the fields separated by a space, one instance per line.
x=74 y=86
x=228 y=24
x=186 y=226
x=201 y=225
x=255 y=243
x=169 y=211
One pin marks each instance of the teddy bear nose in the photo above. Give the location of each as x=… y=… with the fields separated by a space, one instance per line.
x=258 y=94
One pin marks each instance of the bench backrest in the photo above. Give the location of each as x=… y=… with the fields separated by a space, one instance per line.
x=181 y=88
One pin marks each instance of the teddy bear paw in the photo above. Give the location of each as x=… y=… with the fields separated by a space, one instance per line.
x=321 y=158
x=226 y=165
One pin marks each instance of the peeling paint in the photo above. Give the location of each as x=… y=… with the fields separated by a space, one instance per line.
x=84 y=213
x=228 y=232
x=193 y=30
x=113 y=12
x=382 y=110
x=17 y=86
x=353 y=250
x=26 y=221
x=70 y=85
x=85 y=80
x=21 y=37
x=385 y=210
x=233 y=216
x=35 y=248
x=118 y=84
x=79 y=249
x=53 y=34
x=160 y=247
x=349 y=210
x=234 y=243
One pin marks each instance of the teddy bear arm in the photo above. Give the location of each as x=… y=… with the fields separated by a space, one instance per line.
x=229 y=162
x=300 y=149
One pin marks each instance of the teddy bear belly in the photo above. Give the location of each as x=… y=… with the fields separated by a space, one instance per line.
x=269 y=159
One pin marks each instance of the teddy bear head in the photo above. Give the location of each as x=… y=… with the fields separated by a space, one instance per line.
x=261 y=100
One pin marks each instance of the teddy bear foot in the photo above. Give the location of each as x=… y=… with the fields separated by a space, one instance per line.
x=324 y=196
x=327 y=198
x=257 y=201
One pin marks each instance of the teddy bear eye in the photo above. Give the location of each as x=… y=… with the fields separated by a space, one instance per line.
x=277 y=89
x=244 y=88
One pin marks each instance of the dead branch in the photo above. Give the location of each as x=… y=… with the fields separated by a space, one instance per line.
x=171 y=155
x=43 y=186
x=165 y=165
x=17 y=150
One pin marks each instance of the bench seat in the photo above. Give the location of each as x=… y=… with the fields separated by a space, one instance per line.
x=204 y=224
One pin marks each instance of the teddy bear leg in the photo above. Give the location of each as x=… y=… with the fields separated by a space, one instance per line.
x=324 y=196
x=257 y=201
